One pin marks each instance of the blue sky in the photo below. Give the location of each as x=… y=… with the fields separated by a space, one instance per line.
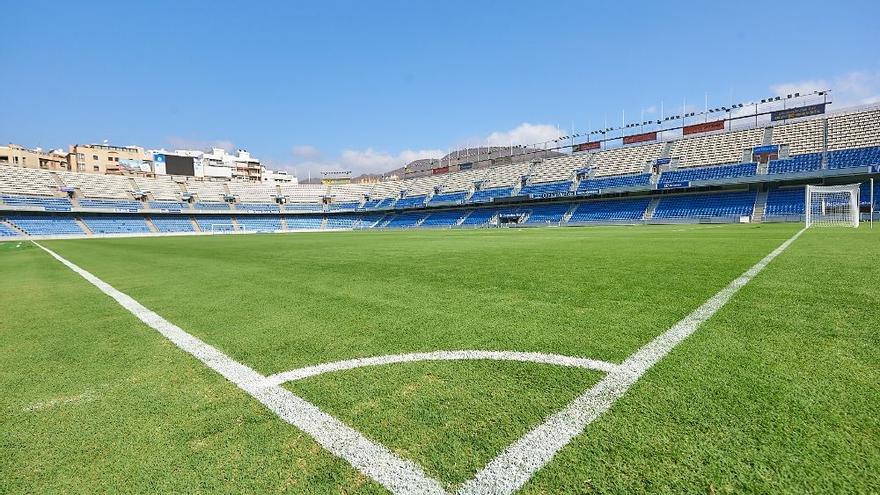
x=369 y=85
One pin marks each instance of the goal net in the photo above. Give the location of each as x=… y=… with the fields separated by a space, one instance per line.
x=832 y=206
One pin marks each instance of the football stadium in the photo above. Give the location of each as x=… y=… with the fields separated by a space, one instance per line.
x=685 y=302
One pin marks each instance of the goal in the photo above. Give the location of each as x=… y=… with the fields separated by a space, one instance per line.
x=832 y=206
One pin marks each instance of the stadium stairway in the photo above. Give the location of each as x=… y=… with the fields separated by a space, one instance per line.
x=195 y=225
x=283 y=222
x=666 y=152
x=567 y=215
x=82 y=225
x=323 y=223
x=760 y=206
x=235 y=226
x=649 y=212
x=150 y=225
x=768 y=136
x=464 y=217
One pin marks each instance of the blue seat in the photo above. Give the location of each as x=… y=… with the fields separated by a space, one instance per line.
x=345 y=206
x=448 y=198
x=544 y=189
x=116 y=224
x=301 y=222
x=259 y=223
x=720 y=172
x=202 y=205
x=259 y=207
x=786 y=201
x=35 y=224
x=591 y=186
x=857 y=157
x=713 y=205
x=313 y=207
x=610 y=211
x=168 y=205
x=111 y=204
x=48 y=204
x=404 y=220
x=219 y=223
x=173 y=223
x=801 y=163
x=444 y=218
x=488 y=195
x=547 y=214
x=411 y=201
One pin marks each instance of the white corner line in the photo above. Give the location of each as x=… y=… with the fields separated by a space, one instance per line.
x=529 y=357
x=394 y=473
x=509 y=471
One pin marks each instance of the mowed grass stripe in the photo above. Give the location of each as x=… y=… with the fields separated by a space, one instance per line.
x=278 y=302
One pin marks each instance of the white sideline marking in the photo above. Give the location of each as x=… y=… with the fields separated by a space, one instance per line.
x=515 y=466
x=396 y=474
x=531 y=357
x=503 y=475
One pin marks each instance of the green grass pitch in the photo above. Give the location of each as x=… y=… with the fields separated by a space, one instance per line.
x=779 y=392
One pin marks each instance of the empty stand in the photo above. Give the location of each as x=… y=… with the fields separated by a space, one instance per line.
x=46 y=203
x=626 y=160
x=259 y=223
x=672 y=177
x=27 y=181
x=161 y=188
x=809 y=162
x=785 y=201
x=111 y=204
x=488 y=195
x=303 y=222
x=713 y=205
x=546 y=189
x=715 y=149
x=173 y=223
x=854 y=130
x=34 y=224
x=801 y=137
x=859 y=157
x=597 y=185
x=610 y=211
x=98 y=186
x=116 y=224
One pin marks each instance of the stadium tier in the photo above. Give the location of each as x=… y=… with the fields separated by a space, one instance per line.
x=259 y=223
x=610 y=211
x=809 y=162
x=595 y=186
x=546 y=189
x=168 y=205
x=488 y=195
x=38 y=224
x=116 y=224
x=48 y=204
x=173 y=223
x=713 y=205
x=686 y=176
x=111 y=204
x=722 y=176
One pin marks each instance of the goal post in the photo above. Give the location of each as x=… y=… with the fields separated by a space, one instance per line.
x=832 y=206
